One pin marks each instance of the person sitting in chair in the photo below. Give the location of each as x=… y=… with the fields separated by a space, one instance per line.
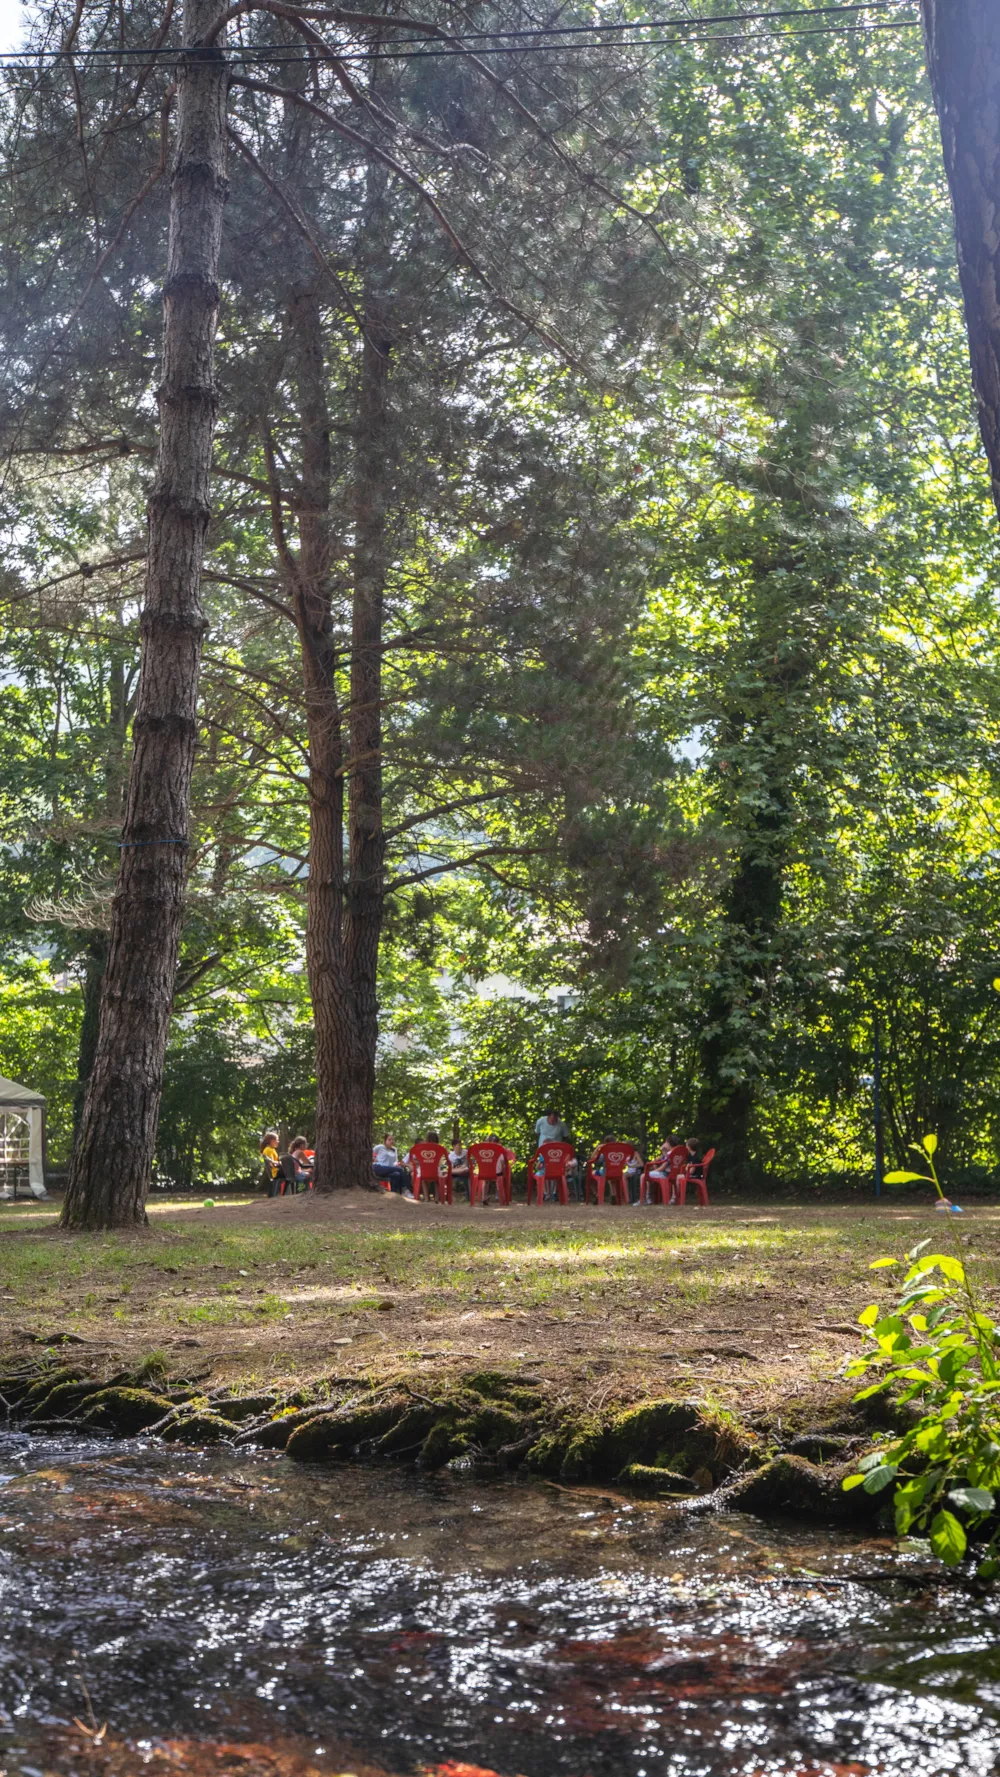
x=301 y=1171
x=385 y=1164
x=271 y=1176
x=694 y=1160
x=633 y=1174
x=459 y=1158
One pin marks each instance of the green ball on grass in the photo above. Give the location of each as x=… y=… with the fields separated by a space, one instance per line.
x=209 y=1203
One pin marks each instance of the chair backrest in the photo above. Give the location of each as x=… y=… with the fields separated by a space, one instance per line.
x=677 y=1158
x=706 y=1161
x=427 y=1157
x=556 y=1156
x=616 y=1156
x=488 y=1157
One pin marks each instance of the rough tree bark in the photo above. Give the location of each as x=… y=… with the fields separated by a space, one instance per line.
x=308 y=575
x=344 y=915
x=366 y=881
x=963 y=59
x=113 y=1157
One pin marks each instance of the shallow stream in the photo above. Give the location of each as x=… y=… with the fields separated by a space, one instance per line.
x=237 y=1614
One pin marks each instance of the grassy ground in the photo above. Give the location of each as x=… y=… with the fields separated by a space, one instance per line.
x=749 y=1306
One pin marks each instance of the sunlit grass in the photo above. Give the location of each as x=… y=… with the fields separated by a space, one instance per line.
x=230 y=1311
x=216 y=1269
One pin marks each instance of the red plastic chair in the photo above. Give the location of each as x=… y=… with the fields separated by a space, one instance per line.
x=488 y=1164
x=696 y=1174
x=426 y=1159
x=556 y=1156
x=665 y=1188
x=616 y=1156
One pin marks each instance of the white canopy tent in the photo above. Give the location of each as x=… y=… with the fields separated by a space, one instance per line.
x=22 y=1139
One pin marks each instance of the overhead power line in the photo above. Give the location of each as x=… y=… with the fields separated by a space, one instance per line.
x=676 y=22
x=522 y=49
x=686 y=29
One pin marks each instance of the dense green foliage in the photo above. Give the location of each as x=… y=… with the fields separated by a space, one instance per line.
x=694 y=652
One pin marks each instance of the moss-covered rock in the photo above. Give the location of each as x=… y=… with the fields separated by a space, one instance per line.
x=275 y=1432
x=316 y=1439
x=200 y=1427
x=500 y=1385
x=408 y=1434
x=441 y=1444
x=585 y=1456
x=665 y=1449
x=344 y=1431
x=239 y=1407
x=546 y=1454
x=49 y=1379
x=678 y=1435
x=794 y=1485
x=490 y=1427
x=59 y=1402
x=823 y=1446
x=656 y=1481
x=124 y=1411
x=675 y=1436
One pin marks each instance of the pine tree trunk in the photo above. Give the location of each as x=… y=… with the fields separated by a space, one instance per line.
x=366 y=882
x=963 y=59
x=112 y=1161
x=334 y=1018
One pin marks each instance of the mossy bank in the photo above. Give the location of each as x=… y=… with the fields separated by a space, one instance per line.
x=487 y=1422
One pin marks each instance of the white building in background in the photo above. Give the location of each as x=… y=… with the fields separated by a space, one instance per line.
x=22 y=1139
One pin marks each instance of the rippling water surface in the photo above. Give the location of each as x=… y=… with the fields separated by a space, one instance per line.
x=241 y=1615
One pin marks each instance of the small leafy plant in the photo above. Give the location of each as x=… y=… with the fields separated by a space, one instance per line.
x=939 y=1349
x=927 y=1150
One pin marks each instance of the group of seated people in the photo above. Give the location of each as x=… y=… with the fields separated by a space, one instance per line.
x=398 y=1175
x=675 y=1156
x=294 y=1171
x=284 y=1174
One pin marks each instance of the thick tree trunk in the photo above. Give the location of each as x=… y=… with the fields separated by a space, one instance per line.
x=344 y=919
x=334 y=1017
x=366 y=881
x=113 y=1158
x=963 y=59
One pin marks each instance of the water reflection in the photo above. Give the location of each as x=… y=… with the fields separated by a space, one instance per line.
x=228 y=1615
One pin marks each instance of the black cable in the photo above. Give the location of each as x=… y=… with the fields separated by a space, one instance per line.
x=522 y=49
x=677 y=22
x=262 y=60
x=12 y=57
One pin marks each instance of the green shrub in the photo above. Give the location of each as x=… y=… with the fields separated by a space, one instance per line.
x=941 y=1353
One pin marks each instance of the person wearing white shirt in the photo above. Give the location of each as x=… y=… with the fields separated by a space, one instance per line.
x=552 y=1128
x=385 y=1164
